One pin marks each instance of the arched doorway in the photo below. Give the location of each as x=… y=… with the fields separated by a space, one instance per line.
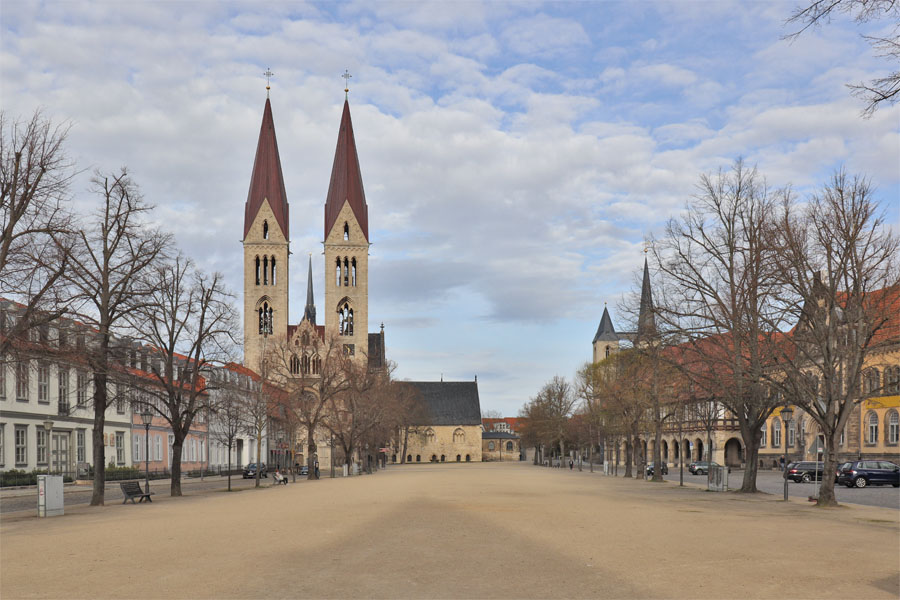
x=676 y=448
x=665 y=451
x=734 y=453
x=698 y=450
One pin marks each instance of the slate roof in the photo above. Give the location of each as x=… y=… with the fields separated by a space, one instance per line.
x=376 y=350
x=498 y=435
x=606 y=332
x=449 y=402
x=267 y=181
x=346 y=179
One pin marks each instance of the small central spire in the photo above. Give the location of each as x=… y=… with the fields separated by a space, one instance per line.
x=310 y=312
x=346 y=77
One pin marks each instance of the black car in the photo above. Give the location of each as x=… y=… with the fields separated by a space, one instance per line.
x=250 y=471
x=664 y=469
x=805 y=471
x=860 y=473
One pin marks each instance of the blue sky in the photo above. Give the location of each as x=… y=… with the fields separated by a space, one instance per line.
x=515 y=155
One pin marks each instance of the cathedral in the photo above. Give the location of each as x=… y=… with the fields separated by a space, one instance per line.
x=266 y=242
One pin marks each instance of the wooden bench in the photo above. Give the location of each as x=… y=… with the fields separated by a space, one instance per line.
x=132 y=490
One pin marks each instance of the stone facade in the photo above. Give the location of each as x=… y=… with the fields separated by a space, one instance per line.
x=347 y=283
x=444 y=443
x=500 y=447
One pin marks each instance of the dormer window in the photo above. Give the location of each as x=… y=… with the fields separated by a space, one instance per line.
x=265 y=230
x=346 y=231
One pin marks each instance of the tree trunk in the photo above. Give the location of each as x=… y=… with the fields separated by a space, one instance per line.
x=175 y=489
x=99 y=447
x=229 y=467
x=258 y=456
x=405 y=445
x=751 y=460
x=826 y=489
x=657 y=451
x=629 y=454
x=312 y=453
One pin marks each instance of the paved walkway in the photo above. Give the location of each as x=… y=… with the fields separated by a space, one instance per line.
x=456 y=531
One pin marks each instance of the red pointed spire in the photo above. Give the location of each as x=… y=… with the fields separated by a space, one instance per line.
x=346 y=179
x=267 y=180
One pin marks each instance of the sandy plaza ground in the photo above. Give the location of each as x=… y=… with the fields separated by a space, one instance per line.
x=456 y=531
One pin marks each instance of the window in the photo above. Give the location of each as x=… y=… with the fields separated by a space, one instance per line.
x=762 y=438
x=159 y=447
x=872 y=428
x=316 y=365
x=509 y=446
x=843 y=436
x=81 y=388
x=274 y=281
x=266 y=319
x=136 y=452
x=337 y=273
x=776 y=433
x=257 y=270
x=491 y=446
x=79 y=342
x=346 y=231
x=346 y=272
x=892 y=381
x=871 y=382
x=265 y=230
x=295 y=364
x=418 y=458
x=345 y=314
x=3 y=377
x=43 y=382
x=120 y=447
x=459 y=436
x=22 y=381
x=307 y=365
x=429 y=435
x=79 y=446
x=353 y=272
x=41 y=446
x=63 y=336
x=21 y=445
x=62 y=377
x=791 y=433
x=893 y=427
x=120 y=398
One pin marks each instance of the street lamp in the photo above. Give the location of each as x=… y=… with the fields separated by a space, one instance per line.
x=146 y=419
x=786 y=413
x=48 y=426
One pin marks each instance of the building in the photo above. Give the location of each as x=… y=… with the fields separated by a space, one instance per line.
x=451 y=429
x=500 y=446
x=504 y=424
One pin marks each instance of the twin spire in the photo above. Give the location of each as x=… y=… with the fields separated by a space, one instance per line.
x=267 y=181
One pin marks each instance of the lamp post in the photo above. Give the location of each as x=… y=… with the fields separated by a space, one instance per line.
x=48 y=427
x=786 y=413
x=146 y=419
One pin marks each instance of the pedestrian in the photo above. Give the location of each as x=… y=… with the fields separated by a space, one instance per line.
x=571 y=464
x=781 y=462
x=317 y=469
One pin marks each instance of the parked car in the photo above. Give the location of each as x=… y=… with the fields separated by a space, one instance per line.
x=250 y=471
x=701 y=467
x=303 y=470
x=860 y=473
x=664 y=469
x=806 y=471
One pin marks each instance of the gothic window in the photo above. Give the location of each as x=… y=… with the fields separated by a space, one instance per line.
x=306 y=365
x=316 y=365
x=346 y=272
x=257 y=270
x=295 y=364
x=353 y=272
x=337 y=273
x=459 y=436
x=274 y=281
x=346 y=231
x=346 y=319
x=265 y=230
x=266 y=319
x=305 y=339
x=872 y=428
x=265 y=270
x=429 y=435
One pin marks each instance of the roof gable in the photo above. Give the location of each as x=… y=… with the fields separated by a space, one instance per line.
x=267 y=180
x=346 y=179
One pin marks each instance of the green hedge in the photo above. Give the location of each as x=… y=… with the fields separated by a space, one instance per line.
x=16 y=477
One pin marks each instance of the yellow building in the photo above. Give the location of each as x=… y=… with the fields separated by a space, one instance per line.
x=450 y=430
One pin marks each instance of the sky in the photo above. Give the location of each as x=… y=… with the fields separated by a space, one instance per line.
x=515 y=156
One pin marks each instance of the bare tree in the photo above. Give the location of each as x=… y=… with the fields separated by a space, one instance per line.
x=36 y=230
x=837 y=262
x=190 y=322
x=410 y=413
x=108 y=270
x=228 y=421
x=310 y=392
x=548 y=414
x=882 y=89
x=717 y=298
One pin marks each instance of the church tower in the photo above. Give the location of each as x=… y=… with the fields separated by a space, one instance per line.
x=606 y=340
x=266 y=247
x=347 y=248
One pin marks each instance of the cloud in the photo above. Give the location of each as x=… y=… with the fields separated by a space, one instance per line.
x=544 y=36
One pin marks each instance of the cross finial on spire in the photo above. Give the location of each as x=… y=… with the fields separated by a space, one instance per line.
x=268 y=75
x=346 y=77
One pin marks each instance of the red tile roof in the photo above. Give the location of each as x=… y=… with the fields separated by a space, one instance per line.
x=267 y=181
x=346 y=179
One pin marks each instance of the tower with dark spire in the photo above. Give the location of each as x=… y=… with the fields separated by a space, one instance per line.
x=266 y=243
x=606 y=340
x=646 y=326
x=347 y=247
x=309 y=313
